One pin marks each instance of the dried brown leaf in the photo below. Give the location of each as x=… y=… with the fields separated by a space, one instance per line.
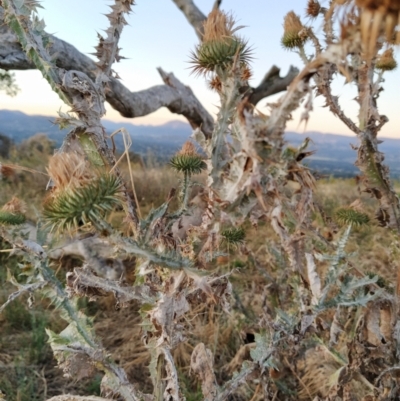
x=201 y=364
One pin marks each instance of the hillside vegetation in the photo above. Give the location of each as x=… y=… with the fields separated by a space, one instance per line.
x=28 y=370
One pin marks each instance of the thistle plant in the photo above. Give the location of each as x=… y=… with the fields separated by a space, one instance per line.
x=295 y=34
x=12 y=213
x=317 y=304
x=188 y=162
x=220 y=46
x=351 y=216
x=386 y=61
x=233 y=236
x=79 y=195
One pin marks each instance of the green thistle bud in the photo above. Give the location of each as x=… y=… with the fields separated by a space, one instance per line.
x=351 y=216
x=11 y=219
x=220 y=46
x=187 y=160
x=210 y=56
x=12 y=213
x=75 y=206
x=233 y=236
x=188 y=164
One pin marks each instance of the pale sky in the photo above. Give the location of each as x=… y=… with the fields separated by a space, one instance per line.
x=158 y=35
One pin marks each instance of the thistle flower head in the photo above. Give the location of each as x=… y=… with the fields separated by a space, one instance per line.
x=81 y=195
x=313 y=8
x=69 y=170
x=218 y=26
x=187 y=160
x=75 y=206
x=6 y=171
x=294 y=33
x=352 y=215
x=221 y=47
x=15 y=205
x=246 y=73
x=386 y=61
x=12 y=213
x=188 y=149
x=233 y=236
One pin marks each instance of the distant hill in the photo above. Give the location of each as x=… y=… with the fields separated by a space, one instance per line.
x=334 y=154
x=162 y=141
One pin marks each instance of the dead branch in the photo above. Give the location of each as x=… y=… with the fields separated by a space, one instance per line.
x=187 y=104
x=129 y=104
x=193 y=14
x=272 y=83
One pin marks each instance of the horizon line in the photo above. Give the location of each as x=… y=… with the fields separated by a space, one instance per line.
x=187 y=123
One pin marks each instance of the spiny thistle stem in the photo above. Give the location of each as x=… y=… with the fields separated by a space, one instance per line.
x=229 y=98
x=107 y=51
x=185 y=191
x=132 y=247
x=18 y=18
x=369 y=158
x=120 y=384
x=37 y=253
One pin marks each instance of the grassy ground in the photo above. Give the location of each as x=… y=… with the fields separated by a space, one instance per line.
x=27 y=367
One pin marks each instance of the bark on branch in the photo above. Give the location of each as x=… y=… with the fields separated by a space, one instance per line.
x=193 y=14
x=272 y=83
x=174 y=95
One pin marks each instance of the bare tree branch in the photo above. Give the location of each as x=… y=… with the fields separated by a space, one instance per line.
x=178 y=98
x=193 y=14
x=187 y=104
x=272 y=83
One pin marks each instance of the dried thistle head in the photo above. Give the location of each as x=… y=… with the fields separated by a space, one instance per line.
x=215 y=83
x=188 y=149
x=313 y=8
x=246 y=73
x=221 y=47
x=6 y=171
x=386 y=61
x=81 y=195
x=218 y=26
x=294 y=33
x=378 y=17
x=12 y=213
x=187 y=160
x=69 y=170
x=14 y=206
